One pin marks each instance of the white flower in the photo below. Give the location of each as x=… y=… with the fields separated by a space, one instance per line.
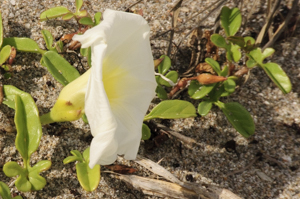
x=120 y=87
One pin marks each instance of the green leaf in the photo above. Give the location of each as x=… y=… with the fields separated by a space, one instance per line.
x=12 y=169
x=86 y=155
x=229 y=85
x=204 y=107
x=235 y=52
x=172 y=109
x=36 y=180
x=60 y=69
x=225 y=71
x=23 y=44
x=4 y=54
x=54 y=13
x=237 y=40
x=67 y=16
x=239 y=117
x=88 y=178
x=218 y=40
x=198 y=91
x=70 y=159
x=165 y=65
x=82 y=13
x=4 y=191
x=251 y=63
x=172 y=75
x=29 y=129
x=215 y=65
x=146 y=132
x=84 y=118
x=86 y=21
x=22 y=183
x=1 y=30
x=78 y=4
x=87 y=52
x=48 y=39
x=76 y=157
x=231 y=20
x=97 y=18
x=267 y=53
x=161 y=92
x=7 y=75
x=59 y=46
x=256 y=55
x=278 y=76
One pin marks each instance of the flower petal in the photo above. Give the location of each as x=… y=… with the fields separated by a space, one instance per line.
x=121 y=84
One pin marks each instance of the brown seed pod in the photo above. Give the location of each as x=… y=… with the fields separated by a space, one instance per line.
x=209 y=79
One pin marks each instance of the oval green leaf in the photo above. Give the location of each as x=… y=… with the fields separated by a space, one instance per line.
x=198 y=91
x=42 y=165
x=88 y=178
x=229 y=85
x=86 y=21
x=22 y=183
x=172 y=109
x=53 y=13
x=97 y=18
x=231 y=20
x=218 y=40
x=146 y=132
x=235 y=52
x=237 y=40
x=204 y=107
x=67 y=16
x=29 y=129
x=48 y=39
x=60 y=68
x=214 y=64
x=172 y=75
x=161 y=92
x=239 y=117
x=4 y=191
x=4 y=54
x=12 y=169
x=267 y=52
x=78 y=4
x=278 y=76
x=164 y=65
x=23 y=44
x=37 y=181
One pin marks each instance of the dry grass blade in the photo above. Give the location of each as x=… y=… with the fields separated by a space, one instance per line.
x=268 y=21
x=283 y=25
x=181 y=137
x=159 y=188
x=199 y=190
x=175 y=10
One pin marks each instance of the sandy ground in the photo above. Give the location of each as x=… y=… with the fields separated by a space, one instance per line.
x=275 y=174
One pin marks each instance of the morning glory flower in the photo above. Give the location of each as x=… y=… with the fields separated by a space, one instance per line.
x=121 y=85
